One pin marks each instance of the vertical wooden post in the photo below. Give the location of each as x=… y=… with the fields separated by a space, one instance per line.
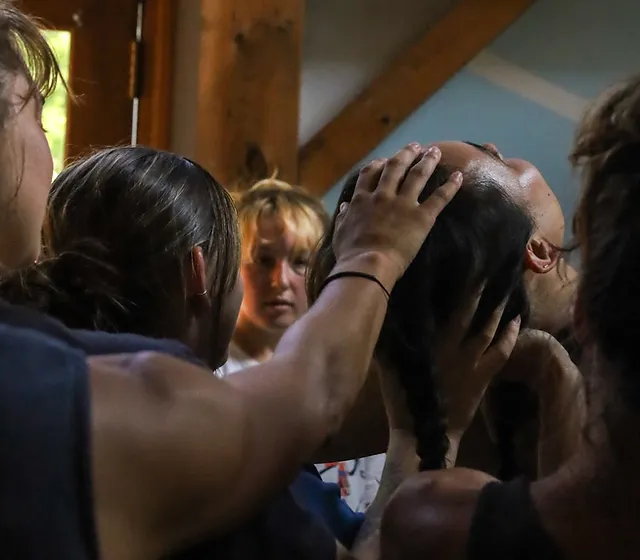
x=249 y=89
x=156 y=97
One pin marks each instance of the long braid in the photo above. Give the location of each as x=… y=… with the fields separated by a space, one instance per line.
x=416 y=372
x=481 y=236
x=405 y=345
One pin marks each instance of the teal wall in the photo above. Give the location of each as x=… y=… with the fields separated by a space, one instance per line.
x=580 y=46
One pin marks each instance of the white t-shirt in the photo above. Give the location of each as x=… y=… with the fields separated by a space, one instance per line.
x=236 y=361
x=359 y=480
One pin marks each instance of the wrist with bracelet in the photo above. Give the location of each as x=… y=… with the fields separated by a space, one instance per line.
x=355 y=274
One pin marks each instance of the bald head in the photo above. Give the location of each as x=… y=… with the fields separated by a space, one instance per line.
x=549 y=294
x=518 y=177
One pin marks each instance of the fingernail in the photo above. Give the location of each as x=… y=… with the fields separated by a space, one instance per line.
x=456 y=176
x=343 y=207
x=414 y=146
x=517 y=320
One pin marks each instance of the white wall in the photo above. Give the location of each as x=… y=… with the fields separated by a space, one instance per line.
x=346 y=42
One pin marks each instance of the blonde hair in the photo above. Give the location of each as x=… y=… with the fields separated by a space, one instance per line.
x=298 y=212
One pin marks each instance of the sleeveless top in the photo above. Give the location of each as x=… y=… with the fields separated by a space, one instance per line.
x=507 y=526
x=46 y=507
x=46 y=504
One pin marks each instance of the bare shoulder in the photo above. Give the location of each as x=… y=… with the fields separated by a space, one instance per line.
x=157 y=449
x=431 y=513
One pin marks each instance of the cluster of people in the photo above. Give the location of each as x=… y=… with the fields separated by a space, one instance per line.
x=182 y=367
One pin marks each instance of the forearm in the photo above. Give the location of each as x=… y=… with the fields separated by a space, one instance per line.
x=335 y=341
x=365 y=430
x=321 y=363
x=401 y=462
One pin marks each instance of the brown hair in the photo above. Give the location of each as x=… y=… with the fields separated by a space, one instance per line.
x=607 y=229
x=24 y=50
x=298 y=211
x=118 y=237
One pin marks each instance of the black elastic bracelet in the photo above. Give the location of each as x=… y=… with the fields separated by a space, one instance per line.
x=354 y=274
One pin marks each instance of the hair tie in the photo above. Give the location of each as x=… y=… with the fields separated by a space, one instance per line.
x=354 y=274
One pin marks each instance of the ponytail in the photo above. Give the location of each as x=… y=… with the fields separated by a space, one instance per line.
x=77 y=287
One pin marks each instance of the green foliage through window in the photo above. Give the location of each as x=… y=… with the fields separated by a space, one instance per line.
x=54 y=117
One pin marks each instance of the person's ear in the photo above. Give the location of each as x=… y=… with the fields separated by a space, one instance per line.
x=197 y=278
x=540 y=256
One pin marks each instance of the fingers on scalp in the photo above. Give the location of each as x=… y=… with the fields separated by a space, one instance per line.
x=396 y=167
x=428 y=162
x=467 y=309
x=487 y=334
x=419 y=174
x=505 y=345
x=369 y=176
x=437 y=201
x=494 y=321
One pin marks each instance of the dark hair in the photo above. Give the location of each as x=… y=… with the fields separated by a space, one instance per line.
x=607 y=230
x=118 y=236
x=480 y=237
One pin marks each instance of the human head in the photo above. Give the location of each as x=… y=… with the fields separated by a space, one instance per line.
x=607 y=230
x=281 y=226
x=548 y=278
x=479 y=238
x=28 y=74
x=143 y=241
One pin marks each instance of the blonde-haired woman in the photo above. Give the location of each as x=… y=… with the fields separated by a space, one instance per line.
x=280 y=226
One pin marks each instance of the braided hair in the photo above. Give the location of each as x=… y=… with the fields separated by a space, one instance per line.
x=481 y=236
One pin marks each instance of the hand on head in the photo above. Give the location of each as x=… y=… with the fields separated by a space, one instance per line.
x=467 y=364
x=384 y=217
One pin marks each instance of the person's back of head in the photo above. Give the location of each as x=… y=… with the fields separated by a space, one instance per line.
x=607 y=229
x=119 y=235
x=479 y=239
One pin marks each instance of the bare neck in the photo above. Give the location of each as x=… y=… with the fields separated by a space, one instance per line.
x=255 y=341
x=551 y=296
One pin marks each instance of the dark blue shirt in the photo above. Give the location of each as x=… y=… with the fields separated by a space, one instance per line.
x=46 y=505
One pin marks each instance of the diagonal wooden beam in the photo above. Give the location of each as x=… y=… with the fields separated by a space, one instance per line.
x=399 y=90
x=248 y=95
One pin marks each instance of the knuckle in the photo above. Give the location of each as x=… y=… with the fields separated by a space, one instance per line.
x=484 y=339
x=395 y=162
x=358 y=198
x=381 y=196
x=371 y=167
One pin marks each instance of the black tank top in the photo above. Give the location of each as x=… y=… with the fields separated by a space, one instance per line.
x=507 y=526
x=46 y=504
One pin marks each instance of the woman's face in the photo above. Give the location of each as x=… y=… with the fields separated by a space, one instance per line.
x=274 y=278
x=25 y=188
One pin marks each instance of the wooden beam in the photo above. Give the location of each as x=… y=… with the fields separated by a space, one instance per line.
x=249 y=89
x=400 y=89
x=156 y=97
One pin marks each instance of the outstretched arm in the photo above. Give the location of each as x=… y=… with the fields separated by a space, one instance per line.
x=178 y=453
